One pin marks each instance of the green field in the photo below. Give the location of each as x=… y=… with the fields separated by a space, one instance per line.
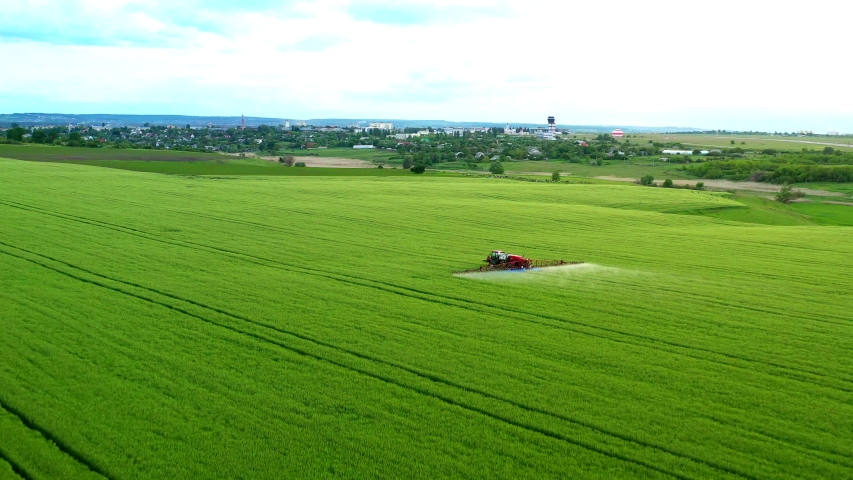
x=761 y=210
x=750 y=142
x=178 y=163
x=616 y=168
x=41 y=153
x=372 y=155
x=171 y=326
x=846 y=188
x=237 y=167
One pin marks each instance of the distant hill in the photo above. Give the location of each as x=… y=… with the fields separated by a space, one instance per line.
x=117 y=120
x=32 y=119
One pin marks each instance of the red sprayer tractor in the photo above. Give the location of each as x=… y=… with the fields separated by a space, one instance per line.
x=500 y=260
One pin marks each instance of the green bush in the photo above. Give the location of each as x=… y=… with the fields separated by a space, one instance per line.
x=496 y=168
x=787 y=194
x=667 y=183
x=700 y=185
x=299 y=164
x=418 y=169
x=555 y=177
x=647 y=180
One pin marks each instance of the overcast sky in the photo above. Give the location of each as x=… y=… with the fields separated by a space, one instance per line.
x=745 y=64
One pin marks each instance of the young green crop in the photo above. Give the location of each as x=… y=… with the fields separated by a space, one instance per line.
x=190 y=327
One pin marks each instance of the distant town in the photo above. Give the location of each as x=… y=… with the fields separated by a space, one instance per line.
x=421 y=145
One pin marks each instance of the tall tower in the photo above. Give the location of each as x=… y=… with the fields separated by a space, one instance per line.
x=552 y=127
x=243 y=122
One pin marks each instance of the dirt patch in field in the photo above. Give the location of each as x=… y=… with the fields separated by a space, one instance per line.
x=328 y=162
x=730 y=185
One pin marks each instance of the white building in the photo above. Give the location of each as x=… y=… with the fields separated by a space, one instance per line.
x=381 y=125
x=361 y=147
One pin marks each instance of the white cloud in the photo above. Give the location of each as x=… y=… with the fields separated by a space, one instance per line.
x=722 y=65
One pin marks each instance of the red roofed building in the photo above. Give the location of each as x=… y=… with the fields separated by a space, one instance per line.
x=617 y=133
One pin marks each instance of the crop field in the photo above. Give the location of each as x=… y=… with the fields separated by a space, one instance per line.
x=238 y=167
x=761 y=210
x=634 y=168
x=751 y=142
x=41 y=153
x=845 y=188
x=372 y=155
x=169 y=326
x=176 y=163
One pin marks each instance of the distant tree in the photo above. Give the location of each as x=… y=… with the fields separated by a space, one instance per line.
x=733 y=142
x=828 y=151
x=787 y=194
x=188 y=126
x=700 y=185
x=287 y=160
x=418 y=169
x=15 y=133
x=75 y=137
x=555 y=177
x=667 y=183
x=496 y=168
x=39 y=136
x=299 y=164
x=407 y=162
x=647 y=180
x=697 y=152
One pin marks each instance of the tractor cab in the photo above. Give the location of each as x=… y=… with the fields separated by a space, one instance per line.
x=497 y=257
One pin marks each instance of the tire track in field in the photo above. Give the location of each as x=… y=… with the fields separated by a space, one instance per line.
x=19 y=470
x=681 y=349
x=60 y=444
x=377 y=376
x=825 y=455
